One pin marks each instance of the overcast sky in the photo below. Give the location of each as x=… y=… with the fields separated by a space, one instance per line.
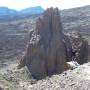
x=62 y=4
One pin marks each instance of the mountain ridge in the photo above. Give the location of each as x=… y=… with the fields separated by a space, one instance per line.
x=7 y=11
x=30 y=10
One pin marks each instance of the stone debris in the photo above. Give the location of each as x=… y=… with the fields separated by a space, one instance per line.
x=77 y=79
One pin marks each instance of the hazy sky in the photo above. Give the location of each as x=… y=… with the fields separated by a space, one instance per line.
x=62 y=4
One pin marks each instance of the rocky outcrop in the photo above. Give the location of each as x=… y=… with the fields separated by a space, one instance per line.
x=80 y=47
x=68 y=48
x=49 y=49
x=46 y=53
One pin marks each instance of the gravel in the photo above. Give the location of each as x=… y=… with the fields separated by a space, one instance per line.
x=77 y=79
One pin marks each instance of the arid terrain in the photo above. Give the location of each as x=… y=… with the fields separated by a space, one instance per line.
x=14 y=37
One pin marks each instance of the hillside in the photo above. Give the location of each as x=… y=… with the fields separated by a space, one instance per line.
x=14 y=37
x=77 y=19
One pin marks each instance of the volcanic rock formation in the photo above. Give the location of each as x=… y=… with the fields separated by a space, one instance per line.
x=49 y=49
x=80 y=47
x=46 y=53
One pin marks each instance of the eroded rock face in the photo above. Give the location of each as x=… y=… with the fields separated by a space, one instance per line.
x=46 y=53
x=49 y=49
x=80 y=47
x=68 y=48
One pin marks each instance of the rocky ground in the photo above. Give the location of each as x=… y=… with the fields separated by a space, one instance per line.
x=12 y=78
x=77 y=79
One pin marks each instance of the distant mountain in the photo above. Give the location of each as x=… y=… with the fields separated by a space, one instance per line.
x=7 y=14
x=27 y=11
x=32 y=10
x=7 y=11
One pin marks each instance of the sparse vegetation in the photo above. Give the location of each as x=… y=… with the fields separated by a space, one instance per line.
x=8 y=84
x=12 y=79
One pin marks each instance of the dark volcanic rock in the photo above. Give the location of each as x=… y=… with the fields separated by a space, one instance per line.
x=68 y=48
x=46 y=54
x=49 y=49
x=80 y=47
